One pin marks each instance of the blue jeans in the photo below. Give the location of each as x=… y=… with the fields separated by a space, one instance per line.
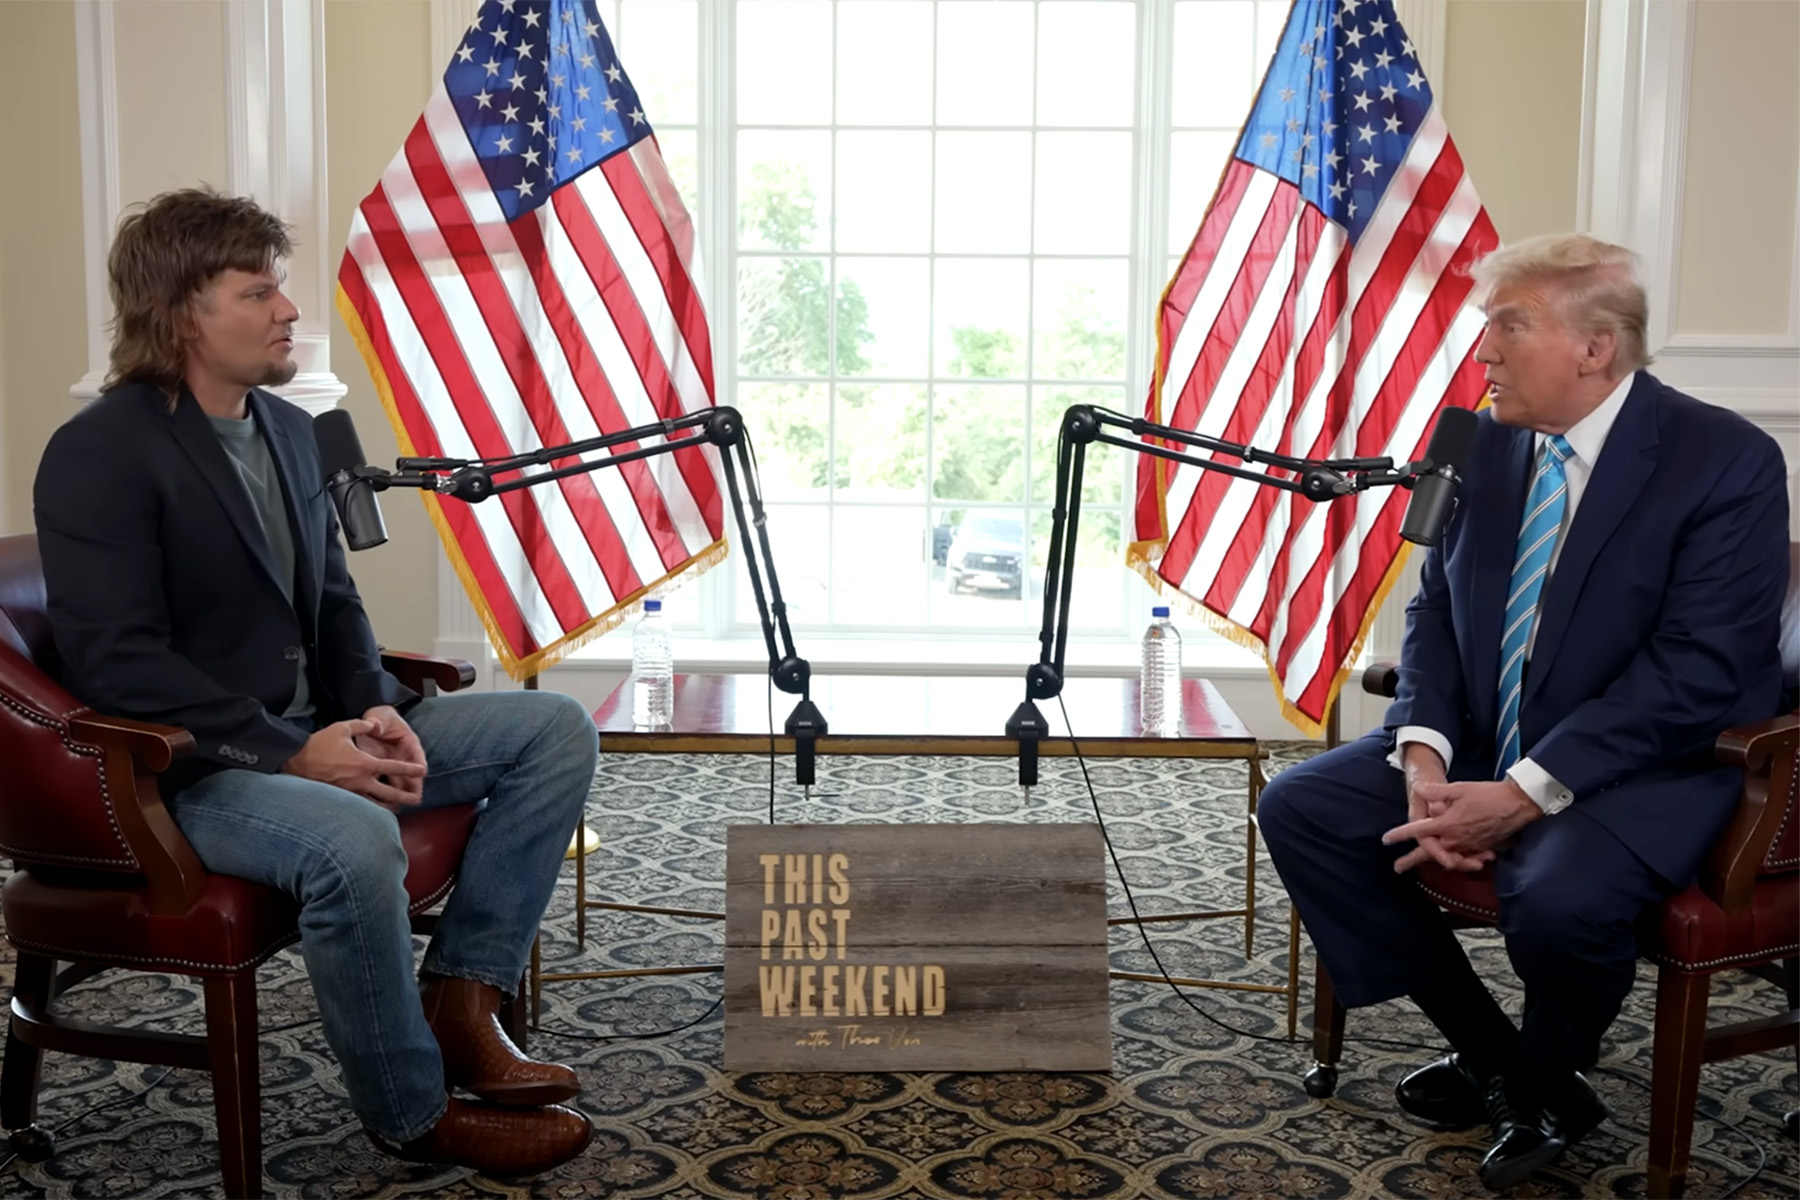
x=532 y=755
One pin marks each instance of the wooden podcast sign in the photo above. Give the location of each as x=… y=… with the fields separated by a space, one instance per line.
x=916 y=948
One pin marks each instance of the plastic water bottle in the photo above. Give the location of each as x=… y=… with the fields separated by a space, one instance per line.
x=652 y=669
x=1159 y=685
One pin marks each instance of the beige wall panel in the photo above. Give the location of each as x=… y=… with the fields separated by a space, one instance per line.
x=377 y=80
x=171 y=86
x=43 y=318
x=1743 y=158
x=1511 y=95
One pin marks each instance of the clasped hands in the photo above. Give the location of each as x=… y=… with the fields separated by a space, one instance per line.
x=1459 y=826
x=376 y=755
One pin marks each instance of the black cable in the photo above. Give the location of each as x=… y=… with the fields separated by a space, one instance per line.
x=573 y=1036
x=1131 y=901
x=1144 y=934
x=1718 y=1117
x=7 y=1162
x=753 y=483
x=1393 y=1044
x=770 y=692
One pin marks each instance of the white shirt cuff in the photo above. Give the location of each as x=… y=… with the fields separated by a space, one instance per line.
x=1418 y=733
x=1537 y=783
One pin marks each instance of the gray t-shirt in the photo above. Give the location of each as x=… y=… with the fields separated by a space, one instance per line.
x=256 y=469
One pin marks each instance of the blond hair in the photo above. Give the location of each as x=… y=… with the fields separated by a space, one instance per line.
x=164 y=254
x=1597 y=286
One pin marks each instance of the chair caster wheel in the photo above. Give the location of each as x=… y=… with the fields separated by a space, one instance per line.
x=1790 y=1124
x=1321 y=1081
x=32 y=1143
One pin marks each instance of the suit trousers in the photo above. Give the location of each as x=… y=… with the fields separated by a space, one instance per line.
x=1569 y=892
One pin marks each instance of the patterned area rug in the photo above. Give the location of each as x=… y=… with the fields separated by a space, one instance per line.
x=1199 y=1104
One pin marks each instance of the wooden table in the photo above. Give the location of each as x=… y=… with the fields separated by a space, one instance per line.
x=909 y=714
x=944 y=715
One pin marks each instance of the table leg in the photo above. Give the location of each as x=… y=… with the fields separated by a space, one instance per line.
x=1293 y=986
x=581 y=900
x=1255 y=790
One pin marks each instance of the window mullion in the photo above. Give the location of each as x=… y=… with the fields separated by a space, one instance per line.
x=1149 y=235
x=831 y=347
x=716 y=150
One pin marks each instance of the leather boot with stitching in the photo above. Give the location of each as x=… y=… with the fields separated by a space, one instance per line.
x=496 y=1140
x=479 y=1057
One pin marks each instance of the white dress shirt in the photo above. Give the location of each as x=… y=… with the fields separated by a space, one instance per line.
x=1586 y=438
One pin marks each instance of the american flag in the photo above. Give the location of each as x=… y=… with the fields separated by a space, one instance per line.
x=1318 y=312
x=524 y=275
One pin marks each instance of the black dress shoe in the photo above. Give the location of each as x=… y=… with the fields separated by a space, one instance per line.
x=1443 y=1095
x=1577 y=1112
x=1525 y=1139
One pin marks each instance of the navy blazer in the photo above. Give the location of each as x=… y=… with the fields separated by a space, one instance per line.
x=162 y=591
x=1657 y=629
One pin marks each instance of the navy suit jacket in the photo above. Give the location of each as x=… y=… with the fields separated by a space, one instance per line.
x=1656 y=631
x=162 y=590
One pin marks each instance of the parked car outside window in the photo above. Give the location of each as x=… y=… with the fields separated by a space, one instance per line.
x=987 y=553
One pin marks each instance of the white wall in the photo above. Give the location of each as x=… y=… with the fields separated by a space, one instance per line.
x=43 y=344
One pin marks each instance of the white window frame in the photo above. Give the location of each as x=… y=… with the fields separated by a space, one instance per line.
x=1148 y=253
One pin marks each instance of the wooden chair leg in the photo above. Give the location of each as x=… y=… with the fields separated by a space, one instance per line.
x=1680 y=1038
x=23 y=1068
x=1328 y=1037
x=237 y=1081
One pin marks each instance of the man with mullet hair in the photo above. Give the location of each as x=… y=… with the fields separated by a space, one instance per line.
x=195 y=578
x=1603 y=603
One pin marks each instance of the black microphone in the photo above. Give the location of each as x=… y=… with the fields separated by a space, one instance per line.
x=1434 y=491
x=352 y=494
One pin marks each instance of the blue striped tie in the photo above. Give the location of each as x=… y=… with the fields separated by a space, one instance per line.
x=1537 y=538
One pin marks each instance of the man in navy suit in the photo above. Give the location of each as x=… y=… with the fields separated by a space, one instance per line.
x=194 y=577
x=1604 y=601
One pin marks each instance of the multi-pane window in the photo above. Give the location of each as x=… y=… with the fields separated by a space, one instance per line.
x=658 y=41
x=941 y=241
x=957 y=179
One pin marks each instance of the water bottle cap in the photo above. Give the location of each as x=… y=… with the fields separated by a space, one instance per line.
x=653 y=606
x=1161 y=610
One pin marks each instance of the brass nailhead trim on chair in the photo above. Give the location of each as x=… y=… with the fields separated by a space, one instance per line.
x=62 y=728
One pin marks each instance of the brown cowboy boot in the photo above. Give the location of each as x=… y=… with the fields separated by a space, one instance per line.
x=478 y=1056
x=497 y=1141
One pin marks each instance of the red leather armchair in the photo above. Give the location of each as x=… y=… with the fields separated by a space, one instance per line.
x=1743 y=912
x=104 y=879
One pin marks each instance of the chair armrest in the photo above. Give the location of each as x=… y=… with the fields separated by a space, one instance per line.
x=1766 y=752
x=423 y=673
x=1381 y=679
x=157 y=745
x=131 y=753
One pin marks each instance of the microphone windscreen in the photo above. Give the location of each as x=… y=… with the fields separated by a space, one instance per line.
x=339 y=448
x=1451 y=439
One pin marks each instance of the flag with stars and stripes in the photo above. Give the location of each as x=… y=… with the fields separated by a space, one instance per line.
x=524 y=275
x=1318 y=312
